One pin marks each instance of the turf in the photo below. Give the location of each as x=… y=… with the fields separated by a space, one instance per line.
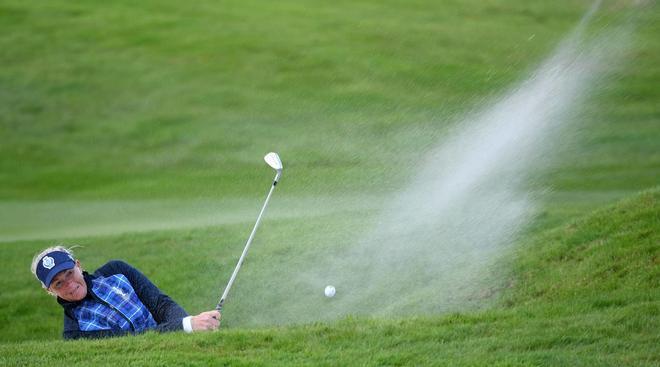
x=136 y=130
x=146 y=102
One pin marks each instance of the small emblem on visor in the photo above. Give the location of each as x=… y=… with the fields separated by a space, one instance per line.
x=48 y=262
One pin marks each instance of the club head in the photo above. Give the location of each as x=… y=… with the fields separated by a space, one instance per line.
x=274 y=161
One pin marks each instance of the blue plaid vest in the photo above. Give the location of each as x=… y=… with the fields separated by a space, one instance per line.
x=115 y=306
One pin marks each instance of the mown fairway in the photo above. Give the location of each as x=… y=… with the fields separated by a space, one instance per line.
x=137 y=129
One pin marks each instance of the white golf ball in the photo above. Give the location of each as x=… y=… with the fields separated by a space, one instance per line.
x=330 y=291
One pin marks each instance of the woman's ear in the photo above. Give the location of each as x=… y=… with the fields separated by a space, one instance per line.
x=79 y=265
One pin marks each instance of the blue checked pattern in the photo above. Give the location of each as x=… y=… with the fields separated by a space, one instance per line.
x=120 y=307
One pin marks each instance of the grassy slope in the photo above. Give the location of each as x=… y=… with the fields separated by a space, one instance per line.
x=152 y=101
x=586 y=293
x=112 y=101
x=105 y=105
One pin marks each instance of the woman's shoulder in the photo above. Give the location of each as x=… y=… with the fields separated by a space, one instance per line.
x=113 y=267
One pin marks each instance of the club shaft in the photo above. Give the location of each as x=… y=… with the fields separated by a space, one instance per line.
x=245 y=250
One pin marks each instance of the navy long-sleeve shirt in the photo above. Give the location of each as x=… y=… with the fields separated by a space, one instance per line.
x=167 y=313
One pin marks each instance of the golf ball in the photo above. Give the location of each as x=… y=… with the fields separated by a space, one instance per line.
x=330 y=291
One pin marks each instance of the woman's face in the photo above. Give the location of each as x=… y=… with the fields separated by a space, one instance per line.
x=69 y=284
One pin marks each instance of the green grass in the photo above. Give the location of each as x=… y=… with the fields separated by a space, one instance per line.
x=115 y=100
x=136 y=130
x=585 y=293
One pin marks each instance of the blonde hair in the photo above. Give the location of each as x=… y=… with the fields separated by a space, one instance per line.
x=37 y=257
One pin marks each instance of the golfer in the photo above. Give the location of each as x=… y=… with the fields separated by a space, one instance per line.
x=116 y=300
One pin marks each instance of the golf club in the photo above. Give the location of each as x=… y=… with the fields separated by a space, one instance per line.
x=274 y=161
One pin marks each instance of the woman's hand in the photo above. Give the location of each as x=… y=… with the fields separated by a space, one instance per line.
x=209 y=320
